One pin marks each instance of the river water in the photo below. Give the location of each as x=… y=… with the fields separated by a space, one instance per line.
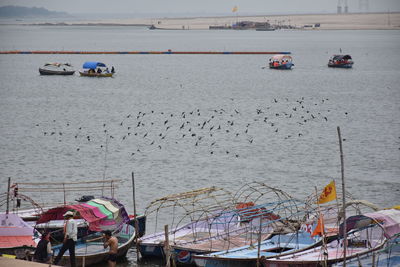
x=275 y=127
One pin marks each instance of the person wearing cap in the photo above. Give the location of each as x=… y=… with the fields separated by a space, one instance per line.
x=70 y=237
x=43 y=250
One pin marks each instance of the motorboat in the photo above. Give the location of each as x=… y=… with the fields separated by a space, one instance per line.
x=282 y=62
x=341 y=61
x=57 y=69
x=96 y=69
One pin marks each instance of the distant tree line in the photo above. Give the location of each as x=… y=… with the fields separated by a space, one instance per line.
x=19 y=11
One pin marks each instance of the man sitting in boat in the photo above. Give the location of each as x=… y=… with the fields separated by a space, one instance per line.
x=111 y=242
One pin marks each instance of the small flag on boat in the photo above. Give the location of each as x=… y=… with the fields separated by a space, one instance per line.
x=328 y=194
x=234 y=9
x=319 y=229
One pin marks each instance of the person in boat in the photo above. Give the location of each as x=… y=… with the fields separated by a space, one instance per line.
x=99 y=70
x=91 y=71
x=107 y=71
x=111 y=242
x=70 y=237
x=112 y=69
x=43 y=250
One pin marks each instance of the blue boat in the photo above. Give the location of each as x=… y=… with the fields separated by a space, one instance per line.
x=341 y=61
x=281 y=62
x=90 y=250
x=96 y=69
x=281 y=244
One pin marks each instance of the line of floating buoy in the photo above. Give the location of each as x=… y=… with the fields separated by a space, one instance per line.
x=169 y=52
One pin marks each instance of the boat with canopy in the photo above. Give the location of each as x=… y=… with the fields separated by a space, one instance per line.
x=16 y=235
x=365 y=233
x=341 y=61
x=96 y=69
x=56 y=69
x=101 y=214
x=281 y=62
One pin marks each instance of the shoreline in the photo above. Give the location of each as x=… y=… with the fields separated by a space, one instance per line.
x=350 y=21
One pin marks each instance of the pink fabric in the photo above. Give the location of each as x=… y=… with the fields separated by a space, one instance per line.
x=388 y=219
x=96 y=211
x=13 y=225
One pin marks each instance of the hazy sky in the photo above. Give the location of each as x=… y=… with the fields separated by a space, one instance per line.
x=202 y=6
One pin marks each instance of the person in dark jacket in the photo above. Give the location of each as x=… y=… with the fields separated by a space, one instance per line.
x=43 y=250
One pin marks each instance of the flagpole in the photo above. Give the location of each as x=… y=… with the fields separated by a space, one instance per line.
x=343 y=199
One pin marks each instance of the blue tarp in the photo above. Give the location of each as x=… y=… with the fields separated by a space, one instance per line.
x=93 y=65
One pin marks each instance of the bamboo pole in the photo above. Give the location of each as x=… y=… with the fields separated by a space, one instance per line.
x=321 y=220
x=259 y=243
x=65 y=201
x=135 y=217
x=166 y=246
x=8 y=195
x=343 y=198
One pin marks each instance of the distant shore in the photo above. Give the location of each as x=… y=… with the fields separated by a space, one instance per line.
x=351 y=21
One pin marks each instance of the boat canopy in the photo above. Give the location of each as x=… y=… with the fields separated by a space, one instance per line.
x=101 y=214
x=93 y=65
x=341 y=57
x=280 y=57
x=389 y=220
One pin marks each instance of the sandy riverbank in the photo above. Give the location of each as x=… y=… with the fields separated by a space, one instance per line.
x=370 y=21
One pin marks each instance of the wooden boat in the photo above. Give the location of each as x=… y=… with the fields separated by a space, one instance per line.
x=249 y=221
x=247 y=255
x=153 y=245
x=369 y=232
x=16 y=236
x=341 y=61
x=56 y=69
x=387 y=256
x=202 y=214
x=96 y=69
x=90 y=250
x=281 y=62
x=87 y=74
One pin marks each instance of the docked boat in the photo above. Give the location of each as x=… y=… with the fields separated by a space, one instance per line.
x=281 y=244
x=281 y=62
x=96 y=69
x=341 y=61
x=56 y=69
x=90 y=250
x=365 y=234
x=16 y=236
x=243 y=230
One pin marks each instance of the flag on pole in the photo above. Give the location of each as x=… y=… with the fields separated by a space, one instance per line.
x=328 y=194
x=234 y=9
x=319 y=229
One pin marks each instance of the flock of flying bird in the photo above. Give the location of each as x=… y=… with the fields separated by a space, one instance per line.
x=213 y=131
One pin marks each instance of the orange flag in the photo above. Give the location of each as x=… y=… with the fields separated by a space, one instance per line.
x=319 y=230
x=328 y=194
x=234 y=9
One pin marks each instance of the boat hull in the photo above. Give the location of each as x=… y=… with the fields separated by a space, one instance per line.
x=93 y=252
x=341 y=66
x=286 y=66
x=55 y=72
x=85 y=74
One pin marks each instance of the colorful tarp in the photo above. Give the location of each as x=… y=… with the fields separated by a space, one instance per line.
x=101 y=214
